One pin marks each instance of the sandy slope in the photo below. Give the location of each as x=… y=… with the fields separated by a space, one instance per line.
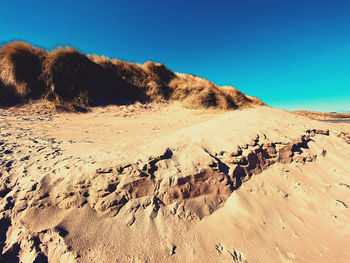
x=166 y=184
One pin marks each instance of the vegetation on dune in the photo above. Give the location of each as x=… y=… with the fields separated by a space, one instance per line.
x=8 y=95
x=71 y=80
x=69 y=74
x=198 y=92
x=21 y=67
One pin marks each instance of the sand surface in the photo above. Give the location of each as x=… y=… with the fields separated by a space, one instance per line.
x=160 y=183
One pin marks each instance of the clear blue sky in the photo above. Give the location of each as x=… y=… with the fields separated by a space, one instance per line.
x=290 y=53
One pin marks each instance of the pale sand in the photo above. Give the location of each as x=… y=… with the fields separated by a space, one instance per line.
x=160 y=183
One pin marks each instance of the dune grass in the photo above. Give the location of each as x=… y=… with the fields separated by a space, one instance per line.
x=71 y=80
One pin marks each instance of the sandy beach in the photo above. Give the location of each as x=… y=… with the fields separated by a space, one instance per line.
x=163 y=183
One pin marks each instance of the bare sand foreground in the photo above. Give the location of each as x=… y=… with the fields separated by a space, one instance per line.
x=160 y=183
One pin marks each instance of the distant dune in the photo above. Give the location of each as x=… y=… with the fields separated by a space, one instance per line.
x=72 y=80
x=322 y=115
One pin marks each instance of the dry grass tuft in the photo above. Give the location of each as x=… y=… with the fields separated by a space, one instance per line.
x=122 y=79
x=70 y=76
x=198 y=92
x=159 y=77
x=21 y=67
x=147 y=82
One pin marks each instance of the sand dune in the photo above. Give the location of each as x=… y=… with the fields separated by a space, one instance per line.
x=163 y=183
x=71 y=81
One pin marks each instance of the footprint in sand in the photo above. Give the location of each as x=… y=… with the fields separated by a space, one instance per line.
x=340 y=204
x=236 y=256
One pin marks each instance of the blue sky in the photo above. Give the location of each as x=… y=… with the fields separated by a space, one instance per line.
x=293 y=54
